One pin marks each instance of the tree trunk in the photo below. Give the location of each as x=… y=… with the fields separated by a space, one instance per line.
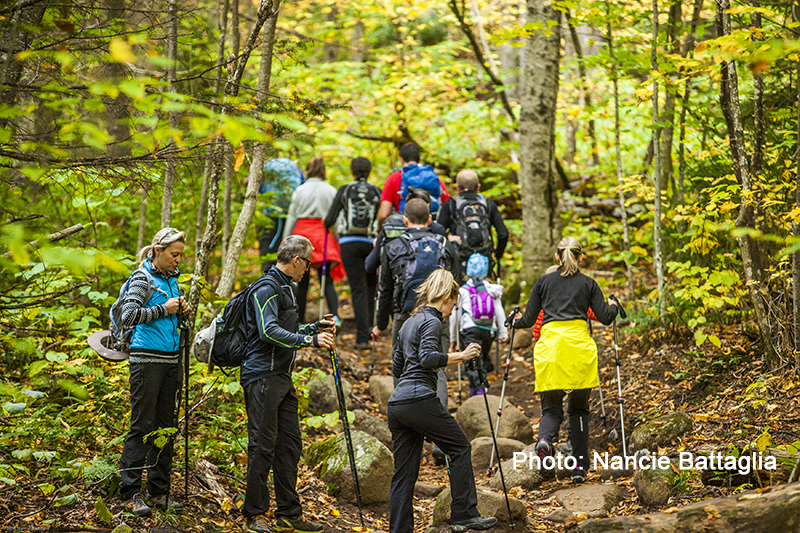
x=626 y=241
x=659 y=258
x=235 y=33
x=172 y=54
x=537 y=128
x=688 y=45
x=330 y=52
x=223 y=29
x=744 y=512
x=117 y=113
x=570 y=126
x=267 y=51
x=227 y=161
x=359 y=45
x=231 y=259
x=201 y=211
x=729 y=101
x=585 y=90
x=142 y=220
x=667 y=113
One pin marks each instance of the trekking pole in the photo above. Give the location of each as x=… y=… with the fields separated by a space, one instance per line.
x=324 y=272
x=624 y=315
x=482 y=380
x=497 y=334
x=509 y=323
x=599 y=382
x=458 y=347
x=337 y=377
x=184 y=342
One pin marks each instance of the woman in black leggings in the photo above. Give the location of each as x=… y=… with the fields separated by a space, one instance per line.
x=415 y=413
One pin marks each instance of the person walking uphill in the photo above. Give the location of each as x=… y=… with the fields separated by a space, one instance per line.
x=154 y=369
x=356 y=208
x=273 y=429
x=565 y=356
x=414 y=412
x=310 y=203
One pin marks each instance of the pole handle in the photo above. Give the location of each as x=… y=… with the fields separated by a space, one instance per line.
x=622 y=312
x=510 y=317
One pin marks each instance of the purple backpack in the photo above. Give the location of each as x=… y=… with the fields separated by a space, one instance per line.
x=482 y=305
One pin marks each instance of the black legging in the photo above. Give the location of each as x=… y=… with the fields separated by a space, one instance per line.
x=330 y=293
x=362 y=286
x=578 y=410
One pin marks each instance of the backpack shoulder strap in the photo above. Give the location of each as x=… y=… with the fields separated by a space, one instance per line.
x=150 y=282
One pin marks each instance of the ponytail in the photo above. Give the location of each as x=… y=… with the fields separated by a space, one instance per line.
x=439 y=286
x=567 y=253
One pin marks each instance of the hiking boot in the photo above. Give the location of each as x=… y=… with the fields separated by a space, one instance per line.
x=135 y=505
x=297 y=524
x=479 y=523
x=544 y=448
x=162 y=501
x=578 y=475
x=257 y=524
x=438 y=457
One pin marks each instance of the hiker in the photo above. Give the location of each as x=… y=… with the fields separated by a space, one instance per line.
x=154 y=370
x=415 y=413
x=310 y=203
x=410 y=174
x=471 y=216
x=279 y=178
x=565 y=356
x=394 y=226
x=479 y=318
x=273 y=429
x=356 y=208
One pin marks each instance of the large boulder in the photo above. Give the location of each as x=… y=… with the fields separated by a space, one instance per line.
x=372 y=425
x=489 y=504
x=661 y=431
x=653 y=486
x=322 y=394
x=523 y=338
x=591 y=499
x=380 y=388
x=521 y=476
x=374 y=463
x=482 y=448
x=472 y=418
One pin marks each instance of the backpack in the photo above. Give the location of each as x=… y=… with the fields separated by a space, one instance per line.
x=121 y=336
x=423 y=255
x=420 y=177
x=393 y=227
x=280 y=177
x=481 y=304
x=361 y=201
x=230 y=339
x=473 y=226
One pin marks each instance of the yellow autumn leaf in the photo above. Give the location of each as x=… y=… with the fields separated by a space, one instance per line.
x=334 y=512
x=763 y=441
x=238 y=158
x=121 y=51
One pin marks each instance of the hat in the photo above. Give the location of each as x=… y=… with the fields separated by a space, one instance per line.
x=477 y=266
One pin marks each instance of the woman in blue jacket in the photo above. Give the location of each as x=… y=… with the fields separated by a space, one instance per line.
x=151 y=305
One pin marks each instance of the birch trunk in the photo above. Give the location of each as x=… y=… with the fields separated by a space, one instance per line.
x=659 y=259
x=172 y=54
x=537 y=127
x=585 y=90
x=667 y=113
x=729 y=101
x=142 y=220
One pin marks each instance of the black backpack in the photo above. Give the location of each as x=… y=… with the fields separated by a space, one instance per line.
x=473 y=226
x=361 y=200
x=424 y=254
x=230 y=340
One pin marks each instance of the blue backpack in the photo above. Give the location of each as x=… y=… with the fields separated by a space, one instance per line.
x=424 y=254
x=420 y=177
x=280 y=177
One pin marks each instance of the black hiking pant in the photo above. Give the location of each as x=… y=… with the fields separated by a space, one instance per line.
x=273 y=443
x=484 y=337
x=410 y=423
x=330 y=293
x=155 y=393
x=269 y=240
x=578 y=410
x=362 y=286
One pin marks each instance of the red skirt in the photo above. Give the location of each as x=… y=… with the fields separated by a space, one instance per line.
x=313 y=230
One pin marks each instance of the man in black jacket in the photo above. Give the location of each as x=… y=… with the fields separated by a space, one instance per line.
x=273 y=430
x=474 y=229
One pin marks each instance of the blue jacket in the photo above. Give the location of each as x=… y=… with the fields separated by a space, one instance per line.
x=158 y=338
x=273 y=336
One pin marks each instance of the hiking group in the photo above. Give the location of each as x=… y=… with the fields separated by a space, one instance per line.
x=412 y=254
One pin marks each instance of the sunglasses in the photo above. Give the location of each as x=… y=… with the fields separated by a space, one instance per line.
x=308 y=262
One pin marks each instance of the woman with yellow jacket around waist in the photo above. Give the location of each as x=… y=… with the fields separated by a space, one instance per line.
x=565 y=356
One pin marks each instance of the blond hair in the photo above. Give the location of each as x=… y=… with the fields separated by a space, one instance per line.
x=439 y=286
x=162 y=240
x=568 y=252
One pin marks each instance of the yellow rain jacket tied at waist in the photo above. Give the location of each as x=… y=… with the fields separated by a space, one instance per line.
x=565 y=357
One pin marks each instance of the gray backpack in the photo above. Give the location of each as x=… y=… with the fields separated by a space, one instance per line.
x=121 y=336
x=361 y=201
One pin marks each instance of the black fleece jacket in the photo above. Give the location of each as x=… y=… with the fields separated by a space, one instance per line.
x=418 y=357
x=566 y=298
